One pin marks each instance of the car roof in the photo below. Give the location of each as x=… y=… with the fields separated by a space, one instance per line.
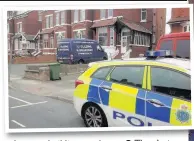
x=177 y=62
x=175 y=35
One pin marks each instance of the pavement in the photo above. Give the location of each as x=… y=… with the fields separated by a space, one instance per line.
x=33 y=111
x=60 y=89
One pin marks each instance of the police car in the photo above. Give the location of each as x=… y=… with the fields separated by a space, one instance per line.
x=150 y=91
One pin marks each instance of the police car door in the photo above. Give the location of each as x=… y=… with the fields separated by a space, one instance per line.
x=126 y=106
x=168 y=98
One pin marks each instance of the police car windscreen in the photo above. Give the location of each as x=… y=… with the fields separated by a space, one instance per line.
x=183 y=48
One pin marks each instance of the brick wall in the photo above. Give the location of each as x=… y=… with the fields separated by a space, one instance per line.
x=34 y=60
x=176 y=28
x=179 y=12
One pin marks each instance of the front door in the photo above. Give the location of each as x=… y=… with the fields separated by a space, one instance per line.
x=168 y=97
x=126 y=99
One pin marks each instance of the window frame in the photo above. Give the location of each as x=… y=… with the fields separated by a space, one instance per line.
x=110 y=11
x=161 y=67
x=57 y=18
x=63 y=16
x=143 y=66
x=82 y=15
x=102 y=11
x=142 y=11
x=76 y=16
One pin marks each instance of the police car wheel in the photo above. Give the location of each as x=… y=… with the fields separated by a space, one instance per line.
x=94 y=117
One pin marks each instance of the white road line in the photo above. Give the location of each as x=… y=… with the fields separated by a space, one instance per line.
x=18 y=123
x=28 y=104
x=20 y=100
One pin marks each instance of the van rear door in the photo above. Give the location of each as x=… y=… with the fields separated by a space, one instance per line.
x=63 y=52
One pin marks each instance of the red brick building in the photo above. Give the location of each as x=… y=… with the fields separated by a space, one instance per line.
x=23 y=26
x=180 y=20
x=121 y=32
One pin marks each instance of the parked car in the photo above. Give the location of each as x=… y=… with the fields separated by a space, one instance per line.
x=152 y=91
x=178 y=42
x=80 y=51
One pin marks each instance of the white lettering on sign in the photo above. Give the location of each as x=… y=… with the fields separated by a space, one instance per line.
x=84 y=49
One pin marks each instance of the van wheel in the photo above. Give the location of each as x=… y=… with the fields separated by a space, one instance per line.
x=93 y=116
x=81 y=62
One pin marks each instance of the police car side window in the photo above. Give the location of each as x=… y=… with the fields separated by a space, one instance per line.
x=171 y=83
x=130 y=75
x=101 y=73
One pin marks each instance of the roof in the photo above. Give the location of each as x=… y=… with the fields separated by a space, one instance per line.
x=129 y=24
x=135 y=26
x=173 y=62
x=178 y=19
x=104 y=23
x=175 y=35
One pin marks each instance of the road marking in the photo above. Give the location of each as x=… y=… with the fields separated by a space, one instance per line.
x=18 y=123
x=20 y=100
x=28 y=104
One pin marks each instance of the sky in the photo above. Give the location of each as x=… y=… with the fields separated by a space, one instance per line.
x=168 y=16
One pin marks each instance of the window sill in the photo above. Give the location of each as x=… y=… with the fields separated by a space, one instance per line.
x=49 y=48
x=143 y=21
x=139 y=45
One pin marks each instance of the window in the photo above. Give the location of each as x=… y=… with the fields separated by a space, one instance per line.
x=45 y=43
x=183 y=48
x=60 y=35
x=110 y=12
x=19 y=27
x=130 y=75
x=49 y=21
x=141 y=39
x=112 y=36
x=102 y=36
x=57 y=18
x=75 y=16
x=166 y=45
x=143 y=15
x=63 y=17
x=171 y=83
x=102 y=13
x=101 y=73
x=51 y=42
x=82 y=15
x=39 y=16
x=186 y=28
x=79 y=34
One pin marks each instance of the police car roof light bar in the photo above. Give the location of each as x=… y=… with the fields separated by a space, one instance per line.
x=159 y=53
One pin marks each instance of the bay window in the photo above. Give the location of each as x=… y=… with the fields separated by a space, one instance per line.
x=141 y=39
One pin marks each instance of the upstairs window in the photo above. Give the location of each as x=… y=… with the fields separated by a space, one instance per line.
x=75 y=16
x=143 y=15
x=102 y=13
x=110 y=13
x=82 y=15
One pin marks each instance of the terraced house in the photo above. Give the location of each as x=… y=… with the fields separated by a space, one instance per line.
x=23 y=26
x=121 y=32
